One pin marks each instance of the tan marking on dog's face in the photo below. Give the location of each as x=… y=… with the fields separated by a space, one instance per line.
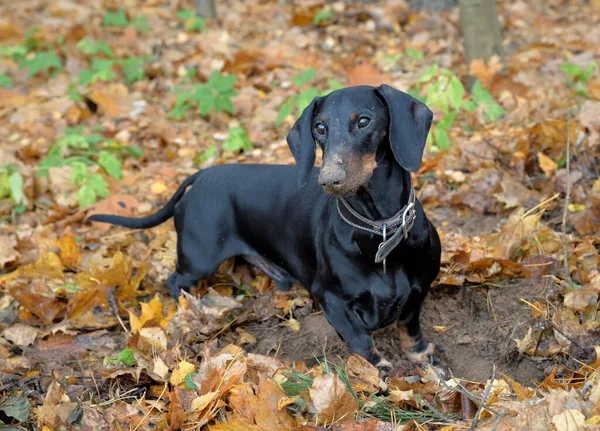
x=357 y=171
x=353 y=116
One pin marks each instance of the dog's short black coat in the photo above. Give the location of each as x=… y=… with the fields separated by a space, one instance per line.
x=284 y=219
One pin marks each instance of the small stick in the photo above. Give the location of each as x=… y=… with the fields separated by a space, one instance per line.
x=485 y=395
x=462 y=390
x=567 y=198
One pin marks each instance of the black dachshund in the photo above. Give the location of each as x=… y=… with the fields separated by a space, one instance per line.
x=352 y=232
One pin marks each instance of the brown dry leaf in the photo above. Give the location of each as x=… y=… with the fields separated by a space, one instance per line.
x=569 y=420
x=332 y=399
x=370 y=424
x=8 y=255
x=119 y=275
x=520 y=391
x=69 y=253
x=363 y=375
x=20 y=334
x=113 y=100
x=593 y=88
x=90 y=309
x=121 y=205
x=257 y=412
x=484 y=72
x=589 y=117
x=46 y=308
x=547 y=165
x=364 y=73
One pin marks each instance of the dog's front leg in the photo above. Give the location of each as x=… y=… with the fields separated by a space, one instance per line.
x=416 y=347
x=351 y=329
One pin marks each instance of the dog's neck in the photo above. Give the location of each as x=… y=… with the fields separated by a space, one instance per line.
x=387 y=191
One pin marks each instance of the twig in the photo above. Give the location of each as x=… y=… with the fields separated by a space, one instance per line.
x=485 y=395
x=152 y=408
x=567 y=198
x=462 y=390
x=112 y=302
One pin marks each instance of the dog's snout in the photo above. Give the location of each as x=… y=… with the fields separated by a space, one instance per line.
x=332 y=179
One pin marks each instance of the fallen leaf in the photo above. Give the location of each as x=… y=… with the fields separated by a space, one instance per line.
x=547 y=165
x=361 y=72
x=179 y=374
x=569 y=420
x=332 y=399
x=69 y=253
x=20 y=334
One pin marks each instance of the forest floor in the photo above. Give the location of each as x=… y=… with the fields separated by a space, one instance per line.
x=107 y=106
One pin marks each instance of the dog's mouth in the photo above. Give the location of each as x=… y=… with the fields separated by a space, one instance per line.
x=340 y=191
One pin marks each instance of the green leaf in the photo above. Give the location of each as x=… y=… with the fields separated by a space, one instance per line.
x=493 y=112
x=237 y=140
x=211 y=152
x=42 y=62
x=89 y=47
x=135 y=151
x=415 y=54
x=226 y=82
x=86 y=196
x=115 y=19
x=134 y=69
x=99 y=185
x=456 y=91
x=16 y=188
x=20 y=209
x=428 y=76
x=446 y=122
x=79 y=174
x=304 y=98
x=324 y=14
x=304 y=77
x=17 y=408
x=111 y=164
x=588 y=71
x=126 y=357
x=5 y=80
x=189 y=382
x=285 y=110
x=185 y=14
x=571 y=70
x=196 y=24
x=141 y=23
x=85 y=76
x=442 y=140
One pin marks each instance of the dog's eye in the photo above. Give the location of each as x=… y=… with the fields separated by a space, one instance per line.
x=320 y=129
x=363 y=122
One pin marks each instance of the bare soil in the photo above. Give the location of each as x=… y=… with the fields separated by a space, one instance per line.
x=475 y=325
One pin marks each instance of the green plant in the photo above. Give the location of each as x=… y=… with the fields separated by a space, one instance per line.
x=91 y=47
x=119 y=19
x=324 y=14
x=237 y=140
x=82 y=152
x=100 y=70
x=5 y=80
x=214 y=95
x=302 y=100
x=11 y=186
x=134 y=69
x=578 y=76
x=442 y=89
x=191 y=21
x=125 y=357
x=43 y=61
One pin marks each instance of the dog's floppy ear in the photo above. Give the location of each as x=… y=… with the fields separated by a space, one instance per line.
x=410 y=121
x=302 y=144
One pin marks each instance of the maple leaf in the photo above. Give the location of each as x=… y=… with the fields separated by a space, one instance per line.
x=485 y=72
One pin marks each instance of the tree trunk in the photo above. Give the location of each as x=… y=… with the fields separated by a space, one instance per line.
x=481 y=30
x=206 y=8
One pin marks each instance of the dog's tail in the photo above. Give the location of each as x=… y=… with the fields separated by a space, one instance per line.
x=161 y=216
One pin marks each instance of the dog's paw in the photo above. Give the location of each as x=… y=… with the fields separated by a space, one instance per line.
x=385 y=367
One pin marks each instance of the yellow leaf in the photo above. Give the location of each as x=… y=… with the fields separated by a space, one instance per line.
x=547 y=165
x=203 y=401
x=69 y=253
x=178 y=375
x=594 y=420
x=293 y=324
x=158 y=187
x=576 y=207
x=440 y=328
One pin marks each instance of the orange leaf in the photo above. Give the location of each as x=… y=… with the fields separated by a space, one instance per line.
x=47 y=309
x=363 y=73
x=69 y=253
x=483 y=72
x=332 y=399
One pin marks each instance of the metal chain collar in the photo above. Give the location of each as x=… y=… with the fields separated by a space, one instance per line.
x=397 y=226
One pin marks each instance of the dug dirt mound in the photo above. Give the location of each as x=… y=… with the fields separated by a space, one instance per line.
x=475 y=326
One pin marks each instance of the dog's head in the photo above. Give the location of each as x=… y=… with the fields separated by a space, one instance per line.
x=351 y=125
